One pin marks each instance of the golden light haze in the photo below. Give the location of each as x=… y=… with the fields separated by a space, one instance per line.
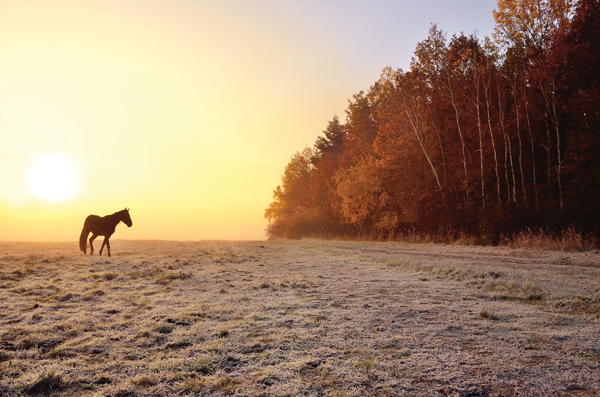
x=184 y=111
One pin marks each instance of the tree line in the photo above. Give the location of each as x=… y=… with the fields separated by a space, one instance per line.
x=486 y=137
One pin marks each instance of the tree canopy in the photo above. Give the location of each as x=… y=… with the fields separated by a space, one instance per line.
x=480 y=136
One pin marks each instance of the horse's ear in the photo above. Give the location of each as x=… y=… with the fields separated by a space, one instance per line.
x=126 y=209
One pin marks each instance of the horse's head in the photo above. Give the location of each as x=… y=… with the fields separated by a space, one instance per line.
x=126 y=218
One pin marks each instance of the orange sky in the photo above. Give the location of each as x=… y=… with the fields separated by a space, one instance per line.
x=184 y=111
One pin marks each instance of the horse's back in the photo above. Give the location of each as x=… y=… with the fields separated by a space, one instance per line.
x=96 y=225
x=91 y=219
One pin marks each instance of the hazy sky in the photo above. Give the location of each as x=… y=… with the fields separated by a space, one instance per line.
x=185 y=111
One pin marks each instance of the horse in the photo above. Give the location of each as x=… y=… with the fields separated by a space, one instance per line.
x=102 y=226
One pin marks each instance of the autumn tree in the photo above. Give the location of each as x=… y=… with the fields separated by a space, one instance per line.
x=477 y=136
x=291 y=201
x=363 y=197
x=360 y=128
x=576 y=54
x=331 y=143
x=531 y=24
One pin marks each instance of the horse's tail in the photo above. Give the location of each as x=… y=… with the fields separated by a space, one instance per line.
x=83 y=237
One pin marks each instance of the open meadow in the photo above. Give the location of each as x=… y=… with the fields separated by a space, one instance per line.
x=290 y=318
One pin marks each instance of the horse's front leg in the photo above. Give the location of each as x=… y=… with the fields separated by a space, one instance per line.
x=92 y=245
x=107 y=246
x=103 y=244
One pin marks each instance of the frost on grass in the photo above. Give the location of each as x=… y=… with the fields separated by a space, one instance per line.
x=286 y=318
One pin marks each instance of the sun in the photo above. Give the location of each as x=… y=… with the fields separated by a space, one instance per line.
x=53 y=177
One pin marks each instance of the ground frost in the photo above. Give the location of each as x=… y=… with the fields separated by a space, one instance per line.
x=286 y=318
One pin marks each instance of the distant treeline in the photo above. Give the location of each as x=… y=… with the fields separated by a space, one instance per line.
x=480 y=137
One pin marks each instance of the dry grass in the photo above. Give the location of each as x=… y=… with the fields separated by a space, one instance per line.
x=287 y=318
x=569 y=240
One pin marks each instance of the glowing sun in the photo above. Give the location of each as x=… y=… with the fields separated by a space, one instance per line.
x=53 y=177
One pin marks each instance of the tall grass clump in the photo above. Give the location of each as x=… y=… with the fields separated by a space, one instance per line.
x=567 y=240
x=47 y=383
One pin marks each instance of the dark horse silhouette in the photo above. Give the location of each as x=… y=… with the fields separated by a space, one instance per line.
x=102 y=226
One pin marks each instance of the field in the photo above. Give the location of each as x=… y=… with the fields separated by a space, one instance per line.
x=290 y=318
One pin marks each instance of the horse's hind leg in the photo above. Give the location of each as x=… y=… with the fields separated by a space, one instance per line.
x=103 y=244
x=92 y=245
